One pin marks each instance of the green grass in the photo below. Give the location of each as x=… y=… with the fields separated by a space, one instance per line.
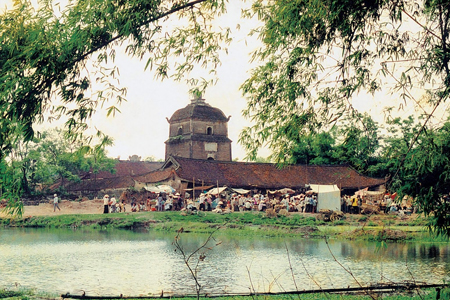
x=243 y=224
x=25 y=294
x=402 y=295
x=415 y=295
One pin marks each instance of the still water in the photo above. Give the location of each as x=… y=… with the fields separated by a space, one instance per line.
x=130 y=263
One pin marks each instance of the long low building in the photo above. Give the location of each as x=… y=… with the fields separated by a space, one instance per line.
x=187 y=174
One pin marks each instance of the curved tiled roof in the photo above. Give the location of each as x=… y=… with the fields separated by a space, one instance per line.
x=126 y=168
x=264 y=175
x=154 y=176
x=125 y=172
x=235 y=174
x=198 y=111
x=122 y=182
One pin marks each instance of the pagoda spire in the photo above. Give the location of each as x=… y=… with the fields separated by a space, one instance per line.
x=198 y=100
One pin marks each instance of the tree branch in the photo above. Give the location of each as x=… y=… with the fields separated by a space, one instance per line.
x=174 y=10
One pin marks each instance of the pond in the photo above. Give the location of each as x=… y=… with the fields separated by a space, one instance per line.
x=132 y=263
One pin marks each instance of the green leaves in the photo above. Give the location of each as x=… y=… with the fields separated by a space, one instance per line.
x=423 y=171
x=53 y=158
x=44 y=53
x=316 y=58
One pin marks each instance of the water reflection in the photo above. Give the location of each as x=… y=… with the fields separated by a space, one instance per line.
x=115 y=262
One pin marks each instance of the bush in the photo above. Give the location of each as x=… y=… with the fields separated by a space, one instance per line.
x=270 y=213
x=362 y=219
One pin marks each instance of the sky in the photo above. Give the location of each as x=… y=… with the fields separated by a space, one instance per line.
x=141 y=128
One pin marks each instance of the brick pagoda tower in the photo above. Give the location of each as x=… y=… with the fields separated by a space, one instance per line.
x=199 y=131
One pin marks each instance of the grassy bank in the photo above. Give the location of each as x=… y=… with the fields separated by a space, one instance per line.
x=251 y=223
x=401 y=295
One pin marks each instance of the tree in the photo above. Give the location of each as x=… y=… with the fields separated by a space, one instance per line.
x=318 y=56
x=51 y=157
x=420 y=169
x=359 y=144
x=153 y=159
x=45 y=51
x=315 y=149
x=96 y=155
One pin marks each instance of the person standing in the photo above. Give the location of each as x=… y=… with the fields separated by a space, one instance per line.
x=354 y=205
x=359 y=204
x=349 y=202
x=314 y=204
x=106 y=204
x=113 y=204
x=55 y=202
x=149 y=203
x=201 y=202
x=308 y=201
x=160 y=202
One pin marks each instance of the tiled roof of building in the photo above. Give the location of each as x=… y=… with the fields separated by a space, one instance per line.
x=233 y=174
x=123 y=177
x=121 y=182
x=155 y=176
x=198 y=111
x=264 y=175
x=127 y=168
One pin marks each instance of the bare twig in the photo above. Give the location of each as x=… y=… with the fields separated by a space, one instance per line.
x=188 y=257
x=312 y=278
x=412 y=276
x=277 y=282
x=290 y=266
x=252 y=289
x=348 y=271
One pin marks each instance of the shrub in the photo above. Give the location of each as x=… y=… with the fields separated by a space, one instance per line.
x=270 y=213
x=362 y=219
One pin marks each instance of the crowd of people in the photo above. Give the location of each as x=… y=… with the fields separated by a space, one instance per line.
x=304 y=202
x=351 y=205
x=387 y=204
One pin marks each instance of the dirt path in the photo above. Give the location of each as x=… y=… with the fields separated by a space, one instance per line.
x=67 y=208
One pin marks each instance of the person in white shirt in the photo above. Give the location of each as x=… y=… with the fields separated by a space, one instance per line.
x=113 y=204
x=55 y=202
x=106 y=204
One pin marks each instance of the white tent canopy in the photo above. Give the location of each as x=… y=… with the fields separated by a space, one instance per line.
x=282 y=191
x=216 y=191
x=152 y=189
x=328 y=196
x=160 y=189
x=166 y=188
x=241 y=191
